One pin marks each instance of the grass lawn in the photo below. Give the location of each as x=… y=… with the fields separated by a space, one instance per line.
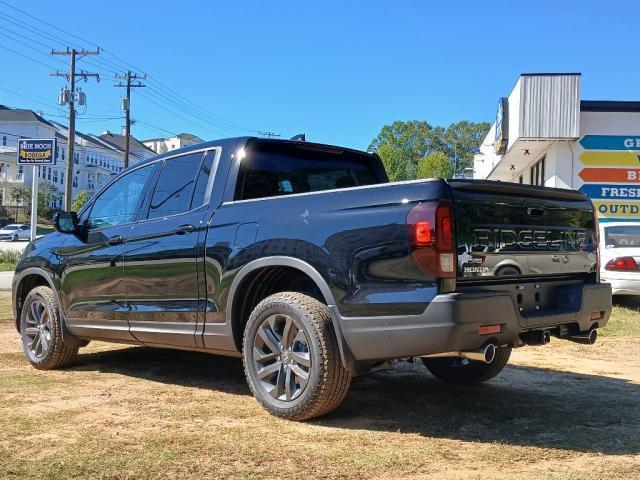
x=564 y=411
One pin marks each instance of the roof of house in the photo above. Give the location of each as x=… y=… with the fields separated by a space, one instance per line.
x=187 y=136
x=19 y=115
x=119 y=140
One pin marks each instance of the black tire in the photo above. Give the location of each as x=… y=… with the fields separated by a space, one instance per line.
x=327 y=381
x=14 y=238
x=464 y=372
x=47 y=325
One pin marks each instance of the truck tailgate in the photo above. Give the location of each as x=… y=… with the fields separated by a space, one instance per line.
x=516 y=230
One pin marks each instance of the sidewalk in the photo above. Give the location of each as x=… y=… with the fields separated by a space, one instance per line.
x=5 y=281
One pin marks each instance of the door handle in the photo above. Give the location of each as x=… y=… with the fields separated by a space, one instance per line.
x=182 y=229
x=115 y=240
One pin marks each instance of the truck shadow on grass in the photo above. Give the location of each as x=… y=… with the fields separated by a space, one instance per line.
x=524 y=406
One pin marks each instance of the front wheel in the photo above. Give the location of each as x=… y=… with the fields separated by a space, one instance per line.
x=291 y=357
x=465 y=372
x=14 y=238
x=41 y=330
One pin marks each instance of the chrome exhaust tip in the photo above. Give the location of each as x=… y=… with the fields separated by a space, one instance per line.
x=586 y=338
x=486 y=354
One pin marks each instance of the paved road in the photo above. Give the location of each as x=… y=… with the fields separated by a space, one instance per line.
x=17 y=246
x=5 y=280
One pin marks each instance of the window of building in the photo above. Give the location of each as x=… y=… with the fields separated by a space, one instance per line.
x=75 y=181
x=55 y=176
x=61 y=178
x=174 y=189
x=49 y=173
x=20 y=172
x=4 y=141
x=63 y=154
x=521 y=179
x=537 y=172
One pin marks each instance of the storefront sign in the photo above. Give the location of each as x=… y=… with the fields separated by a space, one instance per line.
x=611 y=158
x=614 y=175
x=617 y=209
x=610 y=142
x=599 y=190
x=36 y=151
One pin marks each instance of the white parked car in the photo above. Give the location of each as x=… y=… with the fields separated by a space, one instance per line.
x=620 y=256
x=15 y=231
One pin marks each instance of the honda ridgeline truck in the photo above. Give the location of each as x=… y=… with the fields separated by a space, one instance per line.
x=304 y=260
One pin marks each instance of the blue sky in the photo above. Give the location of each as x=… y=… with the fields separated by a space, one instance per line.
x=336 y=70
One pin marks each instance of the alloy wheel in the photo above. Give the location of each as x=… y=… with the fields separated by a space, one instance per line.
x=36 y=331
x=282 y=357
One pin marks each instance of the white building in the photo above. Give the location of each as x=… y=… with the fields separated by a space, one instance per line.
x=162 y=145
x=544 y=134
x=96 y=159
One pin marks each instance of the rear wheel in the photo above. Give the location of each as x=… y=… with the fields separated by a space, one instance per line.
x=291 y=357
x=465 y=372
x=41 y=331
x=14 y=238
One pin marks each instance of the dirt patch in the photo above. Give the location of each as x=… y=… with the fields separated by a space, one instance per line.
x=563 y=411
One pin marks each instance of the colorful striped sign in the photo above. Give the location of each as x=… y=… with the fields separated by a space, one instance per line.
x=617 y=209
x=610 y=142
x=614 y=175
x=610 y=158
x=599 y=190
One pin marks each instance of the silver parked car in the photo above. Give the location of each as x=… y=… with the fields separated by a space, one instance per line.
x=15 y=231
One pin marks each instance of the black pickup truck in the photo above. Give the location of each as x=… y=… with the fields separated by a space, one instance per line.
x=305 y=261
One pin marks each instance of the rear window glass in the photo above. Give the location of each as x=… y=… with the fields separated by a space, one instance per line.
x=271 y=169
x=622 y=236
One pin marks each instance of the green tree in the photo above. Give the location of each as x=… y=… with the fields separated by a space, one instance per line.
x=20 y=195
x=78 y=202
x=47 y=193
x=435 y=165
x=462 y=140
x=402 y=144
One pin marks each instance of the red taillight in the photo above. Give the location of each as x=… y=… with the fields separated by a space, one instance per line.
x=622 y=264
x=423 y=234
x=430 y=235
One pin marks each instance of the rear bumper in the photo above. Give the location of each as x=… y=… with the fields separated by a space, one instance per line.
x=451 y=322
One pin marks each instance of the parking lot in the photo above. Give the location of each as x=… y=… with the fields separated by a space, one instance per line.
x=563 y=411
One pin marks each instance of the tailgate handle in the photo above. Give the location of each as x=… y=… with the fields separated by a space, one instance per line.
x=534 y=210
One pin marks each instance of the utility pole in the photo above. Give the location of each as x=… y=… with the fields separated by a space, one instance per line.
x=269 y=134
x=71 y=100
x=126 y=106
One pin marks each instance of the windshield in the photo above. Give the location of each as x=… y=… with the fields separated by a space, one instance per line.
x=11 y=227
x=623 y=236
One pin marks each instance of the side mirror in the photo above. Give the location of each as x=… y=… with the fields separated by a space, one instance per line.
x=65 y=222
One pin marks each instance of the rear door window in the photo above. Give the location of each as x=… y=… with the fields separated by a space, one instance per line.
x=174 y=189
x=272 y=169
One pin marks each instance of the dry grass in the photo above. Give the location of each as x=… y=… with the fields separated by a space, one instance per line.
x=564 y=411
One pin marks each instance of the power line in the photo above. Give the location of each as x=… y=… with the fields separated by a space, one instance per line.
x=155 y=127
x=175 y=99
x=27 y=57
